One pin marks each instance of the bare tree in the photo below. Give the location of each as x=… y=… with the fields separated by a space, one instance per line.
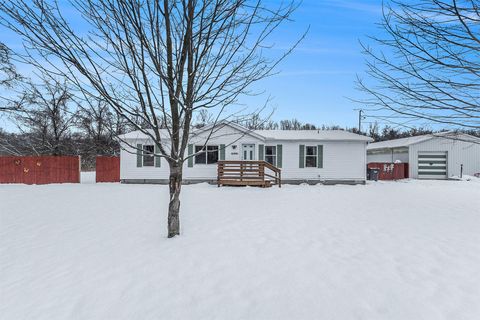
x=204 y=118
x=8 y=75
x=95 y=122
x=295 y=124
x=99 y=127
x=153 y=59
x=47 y=112
x=8 y=72
x=427 y=66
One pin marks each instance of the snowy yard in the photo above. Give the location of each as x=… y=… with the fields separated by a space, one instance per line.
x=393 y=250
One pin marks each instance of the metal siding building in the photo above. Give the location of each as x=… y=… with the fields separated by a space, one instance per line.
x=458 y=153
x=436 y=156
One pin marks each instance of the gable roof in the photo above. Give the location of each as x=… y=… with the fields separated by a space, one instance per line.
x=406 y=142
x=285 y=135
x=225 y=123
x=137 y=134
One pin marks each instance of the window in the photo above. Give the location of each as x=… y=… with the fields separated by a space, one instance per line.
x=271 y=155
x=148 y=158
x=209 y=156
x=311 y=157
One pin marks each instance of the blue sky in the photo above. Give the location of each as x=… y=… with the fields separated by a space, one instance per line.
x=314 y=83
x=316 y=80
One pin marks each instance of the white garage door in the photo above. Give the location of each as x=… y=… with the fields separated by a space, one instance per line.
x=432 y=165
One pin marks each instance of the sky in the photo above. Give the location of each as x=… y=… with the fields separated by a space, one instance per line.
x=315 y=82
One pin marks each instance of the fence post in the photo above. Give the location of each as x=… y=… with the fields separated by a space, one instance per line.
x=79 y=169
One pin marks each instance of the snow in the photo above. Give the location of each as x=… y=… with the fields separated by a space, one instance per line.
x=387 y=250
x=322 y=135
x=87 y=177
x=284 y=135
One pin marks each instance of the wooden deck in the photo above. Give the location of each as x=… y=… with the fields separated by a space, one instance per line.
x=248 y=173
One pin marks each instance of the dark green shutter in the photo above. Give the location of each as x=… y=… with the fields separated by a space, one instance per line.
x=301 y=158
x=279 y=155
x=139 y=155
x=222 y=152
x=261 y=152
x=320 y=156
x=190 y=158
x=158 y=159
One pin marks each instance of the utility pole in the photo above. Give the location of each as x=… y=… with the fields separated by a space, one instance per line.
x=360 y=120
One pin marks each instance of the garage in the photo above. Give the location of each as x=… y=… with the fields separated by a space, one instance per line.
x=442 y=155
x=432 y=165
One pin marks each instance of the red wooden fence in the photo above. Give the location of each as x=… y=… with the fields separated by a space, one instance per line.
x=390 y=171
x=108 y=169
x=40 y=169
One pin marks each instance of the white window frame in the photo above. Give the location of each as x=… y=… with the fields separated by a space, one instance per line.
x=314 y=155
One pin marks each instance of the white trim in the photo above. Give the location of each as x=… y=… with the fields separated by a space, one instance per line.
x=253 y=149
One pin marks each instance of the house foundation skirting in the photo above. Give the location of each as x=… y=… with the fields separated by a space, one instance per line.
x=214 y=181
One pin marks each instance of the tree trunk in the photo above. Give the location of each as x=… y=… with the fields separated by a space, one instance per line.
x=175 y=185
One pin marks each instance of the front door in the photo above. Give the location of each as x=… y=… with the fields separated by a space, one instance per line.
x=248 y=152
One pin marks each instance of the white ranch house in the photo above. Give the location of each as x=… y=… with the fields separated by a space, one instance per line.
x=312 y=156
x=432 y=156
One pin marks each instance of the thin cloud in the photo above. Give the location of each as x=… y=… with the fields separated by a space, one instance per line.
x=313 y=73
x=320 y=49
x=353 y=5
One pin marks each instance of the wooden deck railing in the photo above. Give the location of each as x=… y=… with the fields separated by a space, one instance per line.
x=248 y=173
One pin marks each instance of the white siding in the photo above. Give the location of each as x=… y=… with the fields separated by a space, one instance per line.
x=342 y=160
x=226 y=135
x=458 y=153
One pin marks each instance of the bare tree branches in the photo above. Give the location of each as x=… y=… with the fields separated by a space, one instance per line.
x=8 y=73
x=154 y=62
x=428 y=67
x=47 y=112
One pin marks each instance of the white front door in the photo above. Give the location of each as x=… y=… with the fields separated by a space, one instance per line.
x=248 y=152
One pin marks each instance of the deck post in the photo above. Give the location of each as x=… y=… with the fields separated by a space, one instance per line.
x=241 y=171
x=261 y=171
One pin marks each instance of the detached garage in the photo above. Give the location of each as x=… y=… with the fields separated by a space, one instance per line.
x=433 y=156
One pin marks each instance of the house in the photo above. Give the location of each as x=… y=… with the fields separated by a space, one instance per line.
x=432 y=156
x=312 y=156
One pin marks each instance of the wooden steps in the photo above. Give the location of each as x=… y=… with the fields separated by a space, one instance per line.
x=258 y=183
x=248 y=173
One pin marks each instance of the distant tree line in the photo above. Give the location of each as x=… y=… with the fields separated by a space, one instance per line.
x=51 y=119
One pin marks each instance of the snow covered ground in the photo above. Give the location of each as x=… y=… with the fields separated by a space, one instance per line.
x=87 y=177
x=388 y=250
